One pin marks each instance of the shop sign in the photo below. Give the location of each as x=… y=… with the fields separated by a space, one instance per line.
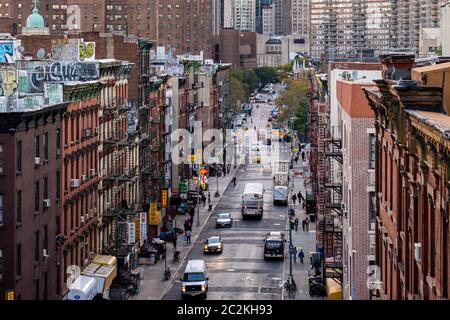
x=164 y=198
x=137 y=226
x=143 y=228
x=182 y=187
x=131 y=233
x=154 y=216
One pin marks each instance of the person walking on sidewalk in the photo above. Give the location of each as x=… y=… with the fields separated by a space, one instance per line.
x=303 y=155
x=294 y=198
x=209 y=197
x=228 y=168
x=300 y=197
x=294 y=254
x=188 y=236
x=174 y=241
x=296 y=224
x=303 y=224
x=307 y=224
x=234 y=180
x=301 y=255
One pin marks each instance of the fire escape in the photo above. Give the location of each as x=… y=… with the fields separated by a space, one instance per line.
x=331 y=225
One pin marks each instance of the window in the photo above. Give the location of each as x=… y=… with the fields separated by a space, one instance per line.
x=372 y=210
x=45 y=187
x=36 y=146
x=1 y=210
x=58 y=184
x=1 y=264
x=45 y=237
x=36 y=197
x=19 y=156
x=19 y=206
x=46 y=146
x=372 y=151
x=19 y=260
x=1 y=159
x=58 y=142
x=36 y=246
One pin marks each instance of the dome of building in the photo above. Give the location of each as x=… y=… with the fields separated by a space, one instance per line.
x=274 y=41
x=35 y=20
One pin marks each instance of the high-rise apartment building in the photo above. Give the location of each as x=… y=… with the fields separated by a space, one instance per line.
x=245 y=15
x=282 y=17
x=260 y=5
x=300 y=17
x=268 y=20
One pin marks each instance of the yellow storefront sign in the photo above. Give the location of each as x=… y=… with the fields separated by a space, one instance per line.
x=153 y=215
x=137 y=223
x=164 y=198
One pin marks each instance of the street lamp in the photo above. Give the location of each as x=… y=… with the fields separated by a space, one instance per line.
x=216 y=167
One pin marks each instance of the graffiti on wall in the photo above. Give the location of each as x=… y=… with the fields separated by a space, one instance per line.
x=65 y=52
x=8 y=82
x=40 y=72
x=6 y=52
x=30 y=102
x=86 y=51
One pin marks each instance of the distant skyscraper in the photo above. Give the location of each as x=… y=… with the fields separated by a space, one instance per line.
x=282 y=17
x=268 y=20
x=260 y=4
x=300 y=17
x=245 y=15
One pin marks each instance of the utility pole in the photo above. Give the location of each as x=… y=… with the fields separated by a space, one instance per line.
x=198 y=196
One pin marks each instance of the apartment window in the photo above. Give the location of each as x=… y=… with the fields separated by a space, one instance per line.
x=19 y=260
x=1 y=159
x=45 y=187
x=45 y=237
x=19 y=206
x=58 y=184
x=46 y=146
x=372 y=151
x=1 y=264
x=1 y=210
x=36 y=147
x=19 y=156
x=372 y=210
x=36 y=197
x=36 y=246
x=58 y=142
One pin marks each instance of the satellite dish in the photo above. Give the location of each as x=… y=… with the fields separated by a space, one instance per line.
x=40 y=53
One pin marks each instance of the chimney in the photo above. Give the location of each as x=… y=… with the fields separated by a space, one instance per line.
x=397 y=66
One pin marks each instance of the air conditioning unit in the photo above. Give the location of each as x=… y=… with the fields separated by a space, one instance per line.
x=83 y=178
x=58 y=152
x=45 y=253
x=82 y=219
x=46 y=203
x=37 y=161
x=88 y=132
x=75 y=183
x=418 y=251
x=93 y=172
x=97 y=130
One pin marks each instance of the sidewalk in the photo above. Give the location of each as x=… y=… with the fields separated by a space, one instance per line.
x=152 y=285
x=301 y=239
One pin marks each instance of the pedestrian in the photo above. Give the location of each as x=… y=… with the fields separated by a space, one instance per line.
x=300 y=196
x=296 y=159
x=174 y=241
x=301 y=255
x=294 y=253
x=204 y=200
x=307 y=224
x=188 y=237
x=228 y=168
x=291 y=224
x=234 y=180
x=303 y=224
x=209 y=197
x=294 y=198
x=224 y=169
x=303 y=155
x=296 y=224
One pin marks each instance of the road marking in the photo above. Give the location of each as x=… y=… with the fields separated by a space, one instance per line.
x=277 y=224
x=231 y=270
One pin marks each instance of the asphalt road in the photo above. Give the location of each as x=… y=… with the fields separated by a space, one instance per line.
x=240 y=272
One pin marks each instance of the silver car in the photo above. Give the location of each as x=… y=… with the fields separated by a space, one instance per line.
x=224 y=220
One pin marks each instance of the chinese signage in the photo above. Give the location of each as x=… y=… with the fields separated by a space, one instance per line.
x=164 y=198
x=137 y=226
x=154 y=217
x=143 y=228
x=131 y=233
x=182 y=187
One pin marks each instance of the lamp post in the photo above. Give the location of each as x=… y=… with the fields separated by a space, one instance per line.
x=216 y=167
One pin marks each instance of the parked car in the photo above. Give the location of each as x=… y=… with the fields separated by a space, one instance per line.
x=224 y=220
x=213 y=244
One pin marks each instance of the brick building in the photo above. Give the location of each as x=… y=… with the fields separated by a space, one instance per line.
x=236 y=47
x=30 y=201
x=357 y=132
x=412 y=229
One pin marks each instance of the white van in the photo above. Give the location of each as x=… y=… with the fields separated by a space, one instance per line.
x=253 y=200
x=195 y=280
x=280 y=195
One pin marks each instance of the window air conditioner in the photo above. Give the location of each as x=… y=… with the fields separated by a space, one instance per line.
x=75 y=183
x=418 y=251
x=83 y=178
x=45 y=253
x=46 y=203
x=82 y=219
x=37 y=161
x=93 y=173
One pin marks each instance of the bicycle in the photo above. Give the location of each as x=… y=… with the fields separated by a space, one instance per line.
x=291 y=286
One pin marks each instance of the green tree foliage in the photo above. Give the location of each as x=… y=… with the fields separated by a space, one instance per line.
x=293 y=104
x=237 y=92
x=266 y=75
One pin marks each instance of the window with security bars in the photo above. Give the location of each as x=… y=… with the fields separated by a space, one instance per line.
x=372 y=151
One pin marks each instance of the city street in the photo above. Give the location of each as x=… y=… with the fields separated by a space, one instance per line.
x=241 y=272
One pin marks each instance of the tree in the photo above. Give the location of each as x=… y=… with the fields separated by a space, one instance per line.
x=236 y=93
x=266 y=75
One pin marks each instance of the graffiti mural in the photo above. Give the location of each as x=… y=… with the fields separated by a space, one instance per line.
x=65 y=52
x=6 y=52
x=86 y=51
x=53 y=93
x=41 y=71
x=8 y=82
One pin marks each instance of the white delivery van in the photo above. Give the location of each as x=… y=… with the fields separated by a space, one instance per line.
x=195 y=280
x=253 y=200
x=83 y=288
x=280 y=195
